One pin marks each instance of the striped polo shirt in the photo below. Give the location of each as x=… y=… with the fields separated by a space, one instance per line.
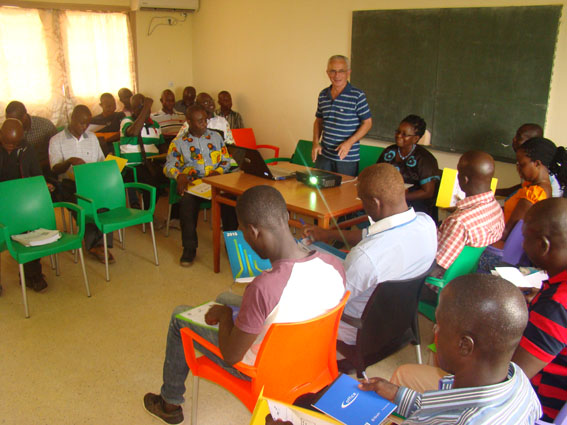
x=511 y=402
x=341 y=118
x=545 y=338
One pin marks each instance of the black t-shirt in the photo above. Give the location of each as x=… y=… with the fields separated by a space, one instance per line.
x=111 y=123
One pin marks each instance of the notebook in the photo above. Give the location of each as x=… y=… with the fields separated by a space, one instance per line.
x=251 y=162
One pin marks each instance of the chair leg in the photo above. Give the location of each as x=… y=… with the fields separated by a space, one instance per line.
x=80 y=250
x=57 y=271
x=63 y=221
x=154 y=242
x=52 y=262
x=75 y=255
x=24 y=295
x=195 y=400
x=142 y=204
x=168 y=220
x=105 y=257
x=418 y=353
x=204 y=214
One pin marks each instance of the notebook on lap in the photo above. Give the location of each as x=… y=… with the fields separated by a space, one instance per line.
x=251 y=162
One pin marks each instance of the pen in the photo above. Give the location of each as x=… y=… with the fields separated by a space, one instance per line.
x=365 y=376
x=301 y=221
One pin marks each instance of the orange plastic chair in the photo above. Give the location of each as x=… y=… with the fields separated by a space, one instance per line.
x=294 y=358
x=245 y=137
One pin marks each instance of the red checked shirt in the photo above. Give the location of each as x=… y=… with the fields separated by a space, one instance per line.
x=477 y=222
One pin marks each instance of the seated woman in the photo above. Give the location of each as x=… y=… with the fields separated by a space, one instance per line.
x=417 y=165
x=531 y=158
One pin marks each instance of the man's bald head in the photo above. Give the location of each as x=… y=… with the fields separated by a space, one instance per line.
x=11 y=134
x=381 y=182
x=526 y=132
x=545 y=234
x=487 y=309
x=17 y=110
x=476 y=170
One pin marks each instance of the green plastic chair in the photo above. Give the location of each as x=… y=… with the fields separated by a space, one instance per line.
x=368 y=156
x=100 y=185
x=301 y=156
x=466 y=262
x=174 y=199
x=26 y=205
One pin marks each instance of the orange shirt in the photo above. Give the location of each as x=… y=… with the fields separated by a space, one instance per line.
x=532 y=193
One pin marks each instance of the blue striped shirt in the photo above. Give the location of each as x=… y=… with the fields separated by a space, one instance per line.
x=512 y=402
x=341 y=118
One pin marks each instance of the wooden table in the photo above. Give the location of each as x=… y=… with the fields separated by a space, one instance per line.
x=325 y=205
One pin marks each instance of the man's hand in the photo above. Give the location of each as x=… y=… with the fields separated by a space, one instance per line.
x=315 y=233
x=182 y=182
x=316 y=151
x=381 y=386
x=217 y=313
x=75 y=161
x=271 y=421
x=213 y=173
x=50 y=187
x=344 y=148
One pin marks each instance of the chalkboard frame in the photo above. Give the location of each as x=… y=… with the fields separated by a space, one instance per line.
x=474 y=74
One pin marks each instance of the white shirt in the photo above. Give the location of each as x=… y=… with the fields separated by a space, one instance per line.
x=398 y=247
x=214 y=123
x=64 y=145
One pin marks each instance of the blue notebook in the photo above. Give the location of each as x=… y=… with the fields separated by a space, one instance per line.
x=245 y=264
x=345 y=402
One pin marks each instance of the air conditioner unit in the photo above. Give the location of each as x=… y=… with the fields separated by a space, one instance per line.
x=180 y=5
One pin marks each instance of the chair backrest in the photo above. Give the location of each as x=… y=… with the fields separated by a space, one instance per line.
x=513 y=250
x=368 y=156
x=389 y=320
x=466 y=262
x=302 y=154
x=296 y=358
x=101 y=182
x=244 y=137
x=26 y=205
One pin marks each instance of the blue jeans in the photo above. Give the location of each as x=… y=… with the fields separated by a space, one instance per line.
x=350 y=168
x=175 y=369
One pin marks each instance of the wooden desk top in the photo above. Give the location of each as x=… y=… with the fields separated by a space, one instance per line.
x=336 y=201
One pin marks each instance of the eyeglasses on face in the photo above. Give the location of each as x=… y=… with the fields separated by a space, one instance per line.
x=337 y=71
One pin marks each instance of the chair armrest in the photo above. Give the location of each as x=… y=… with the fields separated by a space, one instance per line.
x=434 y=281
x=274 y=148
x=7 y=239
x=267 y=161
x=187 y=333
x=80 y=214
x=144 y=186
x=353 y=321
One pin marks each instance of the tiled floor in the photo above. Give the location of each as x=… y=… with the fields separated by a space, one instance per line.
x=81 y=360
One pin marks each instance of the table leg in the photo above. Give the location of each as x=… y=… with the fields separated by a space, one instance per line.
x=216 y=223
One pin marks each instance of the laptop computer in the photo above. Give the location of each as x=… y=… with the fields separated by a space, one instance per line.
x=251 y=162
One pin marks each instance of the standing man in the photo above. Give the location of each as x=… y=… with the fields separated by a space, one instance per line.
x=169 y=120
x=37 y=131
x=342 y=119
x=189 y=94
x=225 y=110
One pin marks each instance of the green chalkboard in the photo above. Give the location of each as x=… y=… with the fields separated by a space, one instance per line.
x=474 y=74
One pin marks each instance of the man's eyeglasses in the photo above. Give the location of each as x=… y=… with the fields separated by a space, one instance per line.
x=337 y=71
x=404 y=135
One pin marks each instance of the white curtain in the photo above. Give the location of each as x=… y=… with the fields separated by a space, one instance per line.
x=53 y=60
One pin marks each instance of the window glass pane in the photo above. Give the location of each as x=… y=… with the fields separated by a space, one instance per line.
x=24 y=74
x=97 y=52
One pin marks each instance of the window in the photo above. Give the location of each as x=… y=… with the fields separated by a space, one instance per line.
x=54 y=60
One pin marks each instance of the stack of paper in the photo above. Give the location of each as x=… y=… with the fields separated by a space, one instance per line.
x=512 y=274
x=37 y=237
